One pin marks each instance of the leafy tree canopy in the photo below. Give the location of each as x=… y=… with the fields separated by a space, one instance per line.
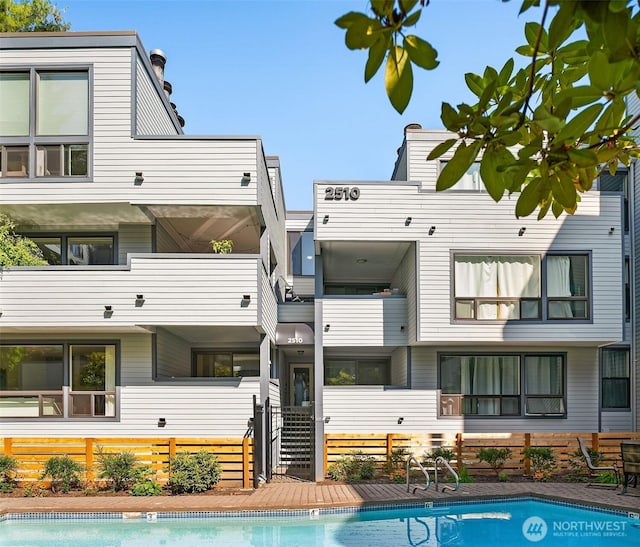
x=31 y=16
x=546 y=130
x=16 y=250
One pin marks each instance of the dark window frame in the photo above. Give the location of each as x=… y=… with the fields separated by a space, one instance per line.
x=626 y=379
x=360 y=362
x=64 y=244
x=195 y=352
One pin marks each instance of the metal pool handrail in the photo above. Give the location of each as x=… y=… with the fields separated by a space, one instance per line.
x=441 y=460
x=424 y=472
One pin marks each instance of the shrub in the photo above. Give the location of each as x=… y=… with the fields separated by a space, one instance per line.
x=440 y=452
x=8 y=468
x=396 y=461
x=64 y=473
x=192 y=473
x=606 y=477
x=464 y=477
x=503 y=477
x=353 y=467
x=121 y=470
x=34 y=490
x=542 y=460
x=495 y=457
x=146 y=488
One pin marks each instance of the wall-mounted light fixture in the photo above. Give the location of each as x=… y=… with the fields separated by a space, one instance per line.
x=108 y=311
x=139 y=178
x=407 y=221
x=246 y=300
x=432 y=230
x=327 y=419
x=327 y=327
x=300 y=352
x=325 y=219
x=246 y=179
x=611 y=230
x=521 y=231
x=400 y=420
x=402 y=327
x=139 y=300
x=162 y=422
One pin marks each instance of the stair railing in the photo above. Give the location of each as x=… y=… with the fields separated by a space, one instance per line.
x=440 y=460
x=424 y=472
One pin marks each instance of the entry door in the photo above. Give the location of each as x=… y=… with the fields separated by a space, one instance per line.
x=301 y=384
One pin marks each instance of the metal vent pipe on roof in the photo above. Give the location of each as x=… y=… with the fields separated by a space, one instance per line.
x=158 y=60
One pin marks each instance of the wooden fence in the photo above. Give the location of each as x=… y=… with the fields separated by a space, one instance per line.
x=234 y=454
x=467 y=445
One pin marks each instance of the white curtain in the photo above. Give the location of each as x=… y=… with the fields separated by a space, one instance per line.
x=110 y=380
x=518 y=277
x=477 y=276
x=559 y=285
x=543 y=376
x=489 y=375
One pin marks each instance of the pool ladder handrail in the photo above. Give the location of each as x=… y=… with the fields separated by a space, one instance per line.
x=424 y=472
x=443 y=461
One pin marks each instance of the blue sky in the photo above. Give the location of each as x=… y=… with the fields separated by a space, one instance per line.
x=279 y=69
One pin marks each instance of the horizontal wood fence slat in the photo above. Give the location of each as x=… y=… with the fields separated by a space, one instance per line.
x=466 y=446
x=234 y=454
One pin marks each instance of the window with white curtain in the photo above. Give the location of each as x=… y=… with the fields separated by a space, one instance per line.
x=44 y=123
x=491 y=385
x=499 y=287
x=509 y=287
x=616 y=382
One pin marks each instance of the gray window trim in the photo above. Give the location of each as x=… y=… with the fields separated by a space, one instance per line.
x=601 y=378
x=64 y=236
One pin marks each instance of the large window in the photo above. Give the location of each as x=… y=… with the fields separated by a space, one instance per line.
x=616 y=382
x=76 y=250
x=301 y=253
x=224 y=364
x=44 y=123
x=509 y=287
x=349 y=372
x=503 y=385
x=57 y=380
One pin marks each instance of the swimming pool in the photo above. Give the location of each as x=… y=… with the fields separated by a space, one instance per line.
x=515 y=522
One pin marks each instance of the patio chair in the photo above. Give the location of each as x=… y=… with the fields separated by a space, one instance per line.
x=630 y=464
x=595 y=470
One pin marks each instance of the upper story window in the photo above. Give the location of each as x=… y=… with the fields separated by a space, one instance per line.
x=471 y=180
x=301 y=253
x=44 y=123
x=76 y=250
x=509 y=287
x=619 y=182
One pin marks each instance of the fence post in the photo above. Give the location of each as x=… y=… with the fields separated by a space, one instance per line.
x=246 y=479
x=527 y=461
x=389 y=446
x=7 y=446
x=326 y=454
x=595 y=441
x=459 y=452
x=88 y=456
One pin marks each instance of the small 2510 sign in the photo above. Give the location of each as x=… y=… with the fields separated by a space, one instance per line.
x=336 y=193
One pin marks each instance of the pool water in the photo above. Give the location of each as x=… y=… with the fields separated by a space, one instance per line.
x=514 y=523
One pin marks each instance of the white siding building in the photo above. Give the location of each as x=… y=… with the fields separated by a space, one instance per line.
x=388 y=308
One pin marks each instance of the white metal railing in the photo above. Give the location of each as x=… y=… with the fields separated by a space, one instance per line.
x=445 y=463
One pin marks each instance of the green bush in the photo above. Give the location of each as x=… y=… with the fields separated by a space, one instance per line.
x=146 y=488
x=121 y=470
x=503 y=477
x=440 y=452
x=34 y=490
x=353 y=467
x=606 y=477
x=464 y=477
x=397 y=460
x=191 y=473
x=8 y=468
x=64 y=473
x=543 y=462
x=495 y=457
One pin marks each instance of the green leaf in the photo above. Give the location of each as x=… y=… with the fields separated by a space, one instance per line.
x=579 y=124
x=529 y=198
x=362 y=33
x=349 y=18
x=382 y=8
x=449 y=117
x=458 y=165
x=614 y=30
x=407 y=5
x=492 y=170
x=398 y=78
x=505 y=72
x=531 y=31
x=556 y=209
x=526 y=4
x=547 y=121
x=612 y=117
x=412 y=19
x=562 y=25
x=475 y=83
x=579 y=95
x=599 y=71
x=376 y=55
x=582 y=157
x=420 y=52
x=441 y=148
x=563 y=191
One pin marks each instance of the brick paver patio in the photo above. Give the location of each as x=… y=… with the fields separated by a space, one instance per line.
x=303 y=495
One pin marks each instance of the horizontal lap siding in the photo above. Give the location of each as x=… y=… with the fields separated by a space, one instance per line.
x=365 y=321
x=296 y=312
x=133 y=238
x=472 y=222
x=375 y=409
x=269 y=307
x=151 y=115
x=176 y=291
x=173 y=355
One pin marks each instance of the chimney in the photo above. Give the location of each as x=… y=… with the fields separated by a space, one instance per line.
x=412 y=126
x=158 y=60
